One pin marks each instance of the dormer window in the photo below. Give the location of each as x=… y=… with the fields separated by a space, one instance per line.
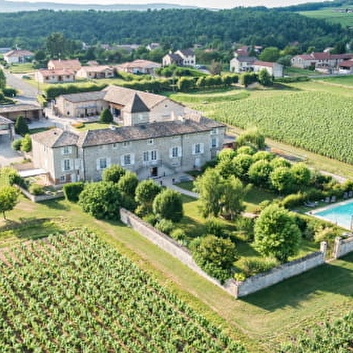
x=150 y=142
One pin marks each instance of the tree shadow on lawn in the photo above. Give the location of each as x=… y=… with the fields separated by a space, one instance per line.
x=335 y=277
x=57 y=204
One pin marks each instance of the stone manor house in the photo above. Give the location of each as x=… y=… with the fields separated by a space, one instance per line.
x=159 y=137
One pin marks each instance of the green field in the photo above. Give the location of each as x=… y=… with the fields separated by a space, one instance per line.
x=345 y=19
x=310 y=115
x=261 y=322
x=89 y=298
x=338 y=80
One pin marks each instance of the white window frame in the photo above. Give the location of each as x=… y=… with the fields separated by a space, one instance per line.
x=174 y=152
x=67 y=165
x=154 y=155
x=214 y=145
x=66 y=150
x=146 y=156
x=126 y=143
x=103 y=163
x=198 y=148
x=150 y=142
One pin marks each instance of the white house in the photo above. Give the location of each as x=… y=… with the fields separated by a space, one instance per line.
x=139 y=67
x=18 y=56
x=240 y=64
x=185 y=57
x=323 y=60
x=73 y=65
x=95 y=72
x=54 y=76
x=274 y=69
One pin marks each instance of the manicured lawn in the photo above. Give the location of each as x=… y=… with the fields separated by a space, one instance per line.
x=346 y=80
x=94 y=126
x=261 y=321
x=22 y=68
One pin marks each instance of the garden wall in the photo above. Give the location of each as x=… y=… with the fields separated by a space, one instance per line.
x=167 y=244
x=235 y=288
x=280 y=273
x=342 y=247
x=38 y=198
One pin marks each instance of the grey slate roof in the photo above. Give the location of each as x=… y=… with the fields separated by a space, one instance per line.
x=84 y=97
x=175 y=57
x=4 y=120
x=18 y=108
x=56 y=138
x=246 y=59
x=146 y=131
x=136 y=105
x=187 y=52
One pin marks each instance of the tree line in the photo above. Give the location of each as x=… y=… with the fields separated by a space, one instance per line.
x=173 y=28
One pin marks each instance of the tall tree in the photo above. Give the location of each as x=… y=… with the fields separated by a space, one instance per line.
x=2 y=79
x=8 y=199
x=276 y=233
x=56 y=45
x=113 y=173
x=21 y=126
x=168 y=205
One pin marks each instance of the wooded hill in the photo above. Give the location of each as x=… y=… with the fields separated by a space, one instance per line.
x=174 y=28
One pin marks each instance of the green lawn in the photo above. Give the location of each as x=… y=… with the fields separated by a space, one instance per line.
x=294 y=71
x=94 y=126
x=260 y=321
x=344 y=19
x=346 y=80
x=25 y=68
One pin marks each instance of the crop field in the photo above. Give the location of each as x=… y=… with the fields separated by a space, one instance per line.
x=313 y=116
x=338 y=80
x=74 y=293
x=345 y=19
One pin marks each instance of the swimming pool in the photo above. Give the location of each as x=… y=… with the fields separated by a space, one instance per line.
x=341 y=214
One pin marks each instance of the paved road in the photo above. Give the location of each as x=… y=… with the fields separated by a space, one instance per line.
x=27 y=93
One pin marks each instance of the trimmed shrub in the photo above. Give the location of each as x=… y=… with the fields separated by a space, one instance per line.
x=26 y=145
x=178 y=234
x=72 y=191
x=294 y=200
x=166 y=226
x=16 y=144
x=36 y=189
x=251 y=266
x=215 y=227
x=150 y=219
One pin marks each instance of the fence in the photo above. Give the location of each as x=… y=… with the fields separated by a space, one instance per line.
x=342 y=247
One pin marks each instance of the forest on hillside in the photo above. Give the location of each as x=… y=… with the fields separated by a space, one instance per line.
x=174 y=28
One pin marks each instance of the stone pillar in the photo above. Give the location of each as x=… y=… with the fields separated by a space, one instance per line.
x=336 y=249
x=323 y=248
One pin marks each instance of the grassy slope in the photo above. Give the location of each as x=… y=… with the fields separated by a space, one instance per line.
x=260 y=320
x=345 y=19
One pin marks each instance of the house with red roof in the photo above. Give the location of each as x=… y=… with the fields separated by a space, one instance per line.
x=274 y=69
x=54 y=76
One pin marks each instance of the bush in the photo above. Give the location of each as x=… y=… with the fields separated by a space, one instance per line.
x=36 y=189
x=26 y=145
x=215 y=227
x=327 y=234
x=251 y=266
x=21 y=126
x=16 y=144
x=166 y=226
x=9 y=92
x=294 y=200
x=72 y=190
x=178 y=234
x=150 y=219
x=246 y=225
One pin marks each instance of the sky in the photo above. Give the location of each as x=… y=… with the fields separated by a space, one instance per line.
x=226 y=4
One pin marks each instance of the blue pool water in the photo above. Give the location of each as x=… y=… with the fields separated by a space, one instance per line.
x=340 y=215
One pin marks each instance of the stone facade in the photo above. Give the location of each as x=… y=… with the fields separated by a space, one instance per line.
x=149 y=150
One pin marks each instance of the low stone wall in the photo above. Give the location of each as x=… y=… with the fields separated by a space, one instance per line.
x=282 y=272
x=235 y=288
x=167 y=244
x=342 y=247
x=39 y=198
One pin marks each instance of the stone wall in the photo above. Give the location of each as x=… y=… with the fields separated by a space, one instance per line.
x=280 y=273
x=237 y=289
x=342 y=247
x=166 y=243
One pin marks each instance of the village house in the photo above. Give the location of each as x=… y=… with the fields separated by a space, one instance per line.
x=54 y=76
x=18 y=56
x=29 y=111
x=346 y=67
x=73 y=65
x=121 y=101
x=95 y=72
x=274 y=69
x=319 y=60
x=185 y=57
x=148 y=149
x=139 y=67
x=240 y=64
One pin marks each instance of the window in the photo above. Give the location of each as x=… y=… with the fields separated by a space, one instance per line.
x=115 y=145
x=197 y=148
x=67 y=164
x=174 y=152
x=145 y=156
x=214 y=131
x=153 y=155
x=126 y=143
x=66 y=150
x=127 y=159
x=102 y=163
x=150 y=142
x=62 y=178
x=214 y=142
